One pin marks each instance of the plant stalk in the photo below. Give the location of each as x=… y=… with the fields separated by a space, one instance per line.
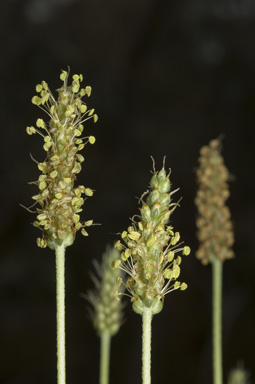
x=217 y=266
x=146 y=353
x=105 y=357
x=60 y=277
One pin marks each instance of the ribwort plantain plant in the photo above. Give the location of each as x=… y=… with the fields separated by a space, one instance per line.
x=58 y=201
x=150 y=255
x=215 y=234
x=107 y=313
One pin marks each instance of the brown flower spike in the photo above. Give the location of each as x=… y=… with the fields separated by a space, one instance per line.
x=59 y=202
x=215 y=232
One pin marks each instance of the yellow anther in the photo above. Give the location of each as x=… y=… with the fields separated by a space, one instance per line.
x=151 y=240
x=52 y=109
x=80 y=146
x=92 y=139
x=88 y=223
x=118 y=245
x=168 y=274
x=178 y=260
x=76 y=77
x=36 y=100
x=124 y=234
x=83 y=108
x=30 y=130
x=82 y=92
x=134 y=235
x=88 y=192
x=76 y=168
x=59 y=195
x=53 y=174
x=183 y=286
x=116 y=294
x=44 y=85
x=76 y=218
x=67 y=180
x=79 y=157
x=177 y=285
x=95 y=118
x=175 y=239
x=63 y=75
x=42 y=216
x=62 y=184
x=43 y=167
x=140 y=226
x=91 y=112
x=84 y=232
x=38 y=88
x=186 y=251
x=88 y=90
x=77 y=132
x=147 y=275
x=161 y=259
x=78 y=226
x=41 y=243
x=40 y=123
x=42 y=185
x=75 y=87
x=176 y=271
x=116 y=264
x=119 y=281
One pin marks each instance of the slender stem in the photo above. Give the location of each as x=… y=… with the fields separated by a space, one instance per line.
x=217 y=266
x=146 y=354
x=60 y=277
x=105 y=357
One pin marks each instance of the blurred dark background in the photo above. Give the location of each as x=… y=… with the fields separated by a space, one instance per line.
x=167 y=77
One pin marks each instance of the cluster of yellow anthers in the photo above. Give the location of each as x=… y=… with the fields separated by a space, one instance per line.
x=215 y=231
x=59 y=202
x=149 y=249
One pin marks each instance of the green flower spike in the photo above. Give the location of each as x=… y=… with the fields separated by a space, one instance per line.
x=150 y=249
x=215 y=234
x=59 y=202
x=107 y=313
x=150 y=255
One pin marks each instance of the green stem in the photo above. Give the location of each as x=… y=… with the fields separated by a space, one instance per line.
x=217 y=266
x=105 y=357
x=146 y=354
x=60 y=277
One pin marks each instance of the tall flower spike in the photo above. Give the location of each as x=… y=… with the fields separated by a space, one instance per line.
x=107 y=313
x=58 y=214
x=151 y=249
x=215 y=232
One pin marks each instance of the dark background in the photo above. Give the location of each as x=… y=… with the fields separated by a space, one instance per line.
x=167 y=77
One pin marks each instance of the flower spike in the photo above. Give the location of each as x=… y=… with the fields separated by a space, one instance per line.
x=59 y=202
x=150 y=247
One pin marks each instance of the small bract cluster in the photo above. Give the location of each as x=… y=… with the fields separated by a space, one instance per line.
x=107 y=313
x=59 y=201
x=150 y=248
x=215 y=230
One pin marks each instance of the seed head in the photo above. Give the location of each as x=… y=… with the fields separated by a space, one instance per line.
x=150 y=247
x=107 y=313
x=59 y=202
x=215 y=231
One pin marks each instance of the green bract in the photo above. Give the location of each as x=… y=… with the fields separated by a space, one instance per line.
x=59 y=202
x=150 y=247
